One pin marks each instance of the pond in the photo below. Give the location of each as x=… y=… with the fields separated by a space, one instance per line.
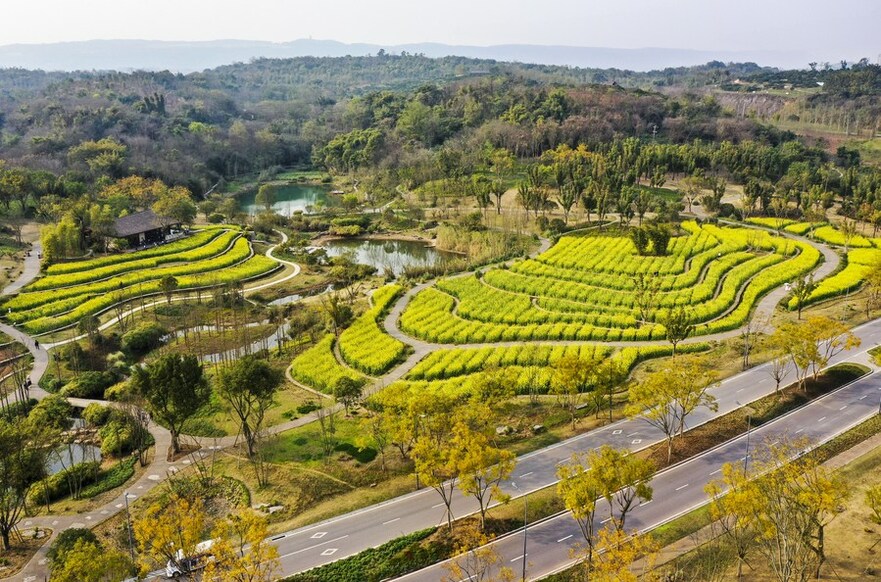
x=67 y=456
x=394 y=255
x=290 y=198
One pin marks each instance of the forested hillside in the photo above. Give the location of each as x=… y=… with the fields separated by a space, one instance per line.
x=198 y=129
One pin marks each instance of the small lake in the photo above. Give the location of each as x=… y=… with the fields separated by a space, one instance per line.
x=394 y=255
x=69 y=455
x=290 y=198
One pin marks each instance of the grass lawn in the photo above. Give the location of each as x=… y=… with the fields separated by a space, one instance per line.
x=217 y=419
x=23 y=549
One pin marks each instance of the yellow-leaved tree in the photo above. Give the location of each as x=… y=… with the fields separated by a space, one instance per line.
x=242 y=552
x=167 y=528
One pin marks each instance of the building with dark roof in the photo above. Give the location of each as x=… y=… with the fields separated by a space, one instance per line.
x=143 y=228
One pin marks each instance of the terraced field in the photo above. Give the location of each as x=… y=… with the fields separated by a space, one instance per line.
x=69 y=291
x=588 y=296
x=586 y=288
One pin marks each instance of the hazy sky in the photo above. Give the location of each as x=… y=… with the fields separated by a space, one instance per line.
x=839 y=26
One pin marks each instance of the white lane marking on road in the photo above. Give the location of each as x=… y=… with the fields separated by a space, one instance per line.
x=618 y=431
x=391 y=521
x=842 y=408
x=526 y=474
x=520 y=557
x=607 y=520
x=682 y=487
x=437 y=505
x=822 y=419
x=329 y=551
x=799 y=430
x=318 y=535
x=864 y=397
x=740 y=390
x=313 y=547
x=564 y=539
x=635 y=441
x=716 y=471
x=645 y=502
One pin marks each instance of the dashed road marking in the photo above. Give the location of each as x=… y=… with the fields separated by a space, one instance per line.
x=520 y=557
x=564 y=539
x=822 y=419
x=329 y=551
x=319 y=535
x=636 y=441
x=619 y=431
x=681 y=487
x=391 y=521
x=526 y=474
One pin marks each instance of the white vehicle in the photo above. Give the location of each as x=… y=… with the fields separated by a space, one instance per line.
x=182 y=565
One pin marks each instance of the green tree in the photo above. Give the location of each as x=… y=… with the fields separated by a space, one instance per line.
x=265 y=196
x=89 y=326
x=169 y=285
x=802 y=290
x=677 y=326
x=571 y=379
x=174 y=388
x=249 y=386
x=176 y=204
x=348 y=391
x=23 y=452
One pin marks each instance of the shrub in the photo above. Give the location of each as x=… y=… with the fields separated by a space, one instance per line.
x=143 y=339
x=66 y=540
x=58 y=485
x=114 y=477
x=89 y=385
x=96 y=415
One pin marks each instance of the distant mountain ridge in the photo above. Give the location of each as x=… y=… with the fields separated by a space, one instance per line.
x=185 y=56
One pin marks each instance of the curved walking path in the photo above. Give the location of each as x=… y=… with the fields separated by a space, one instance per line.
x=158 y=469
x=760 y=319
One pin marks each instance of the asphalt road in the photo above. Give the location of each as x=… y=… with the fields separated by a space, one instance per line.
x=351 y=533
x=680 y=489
